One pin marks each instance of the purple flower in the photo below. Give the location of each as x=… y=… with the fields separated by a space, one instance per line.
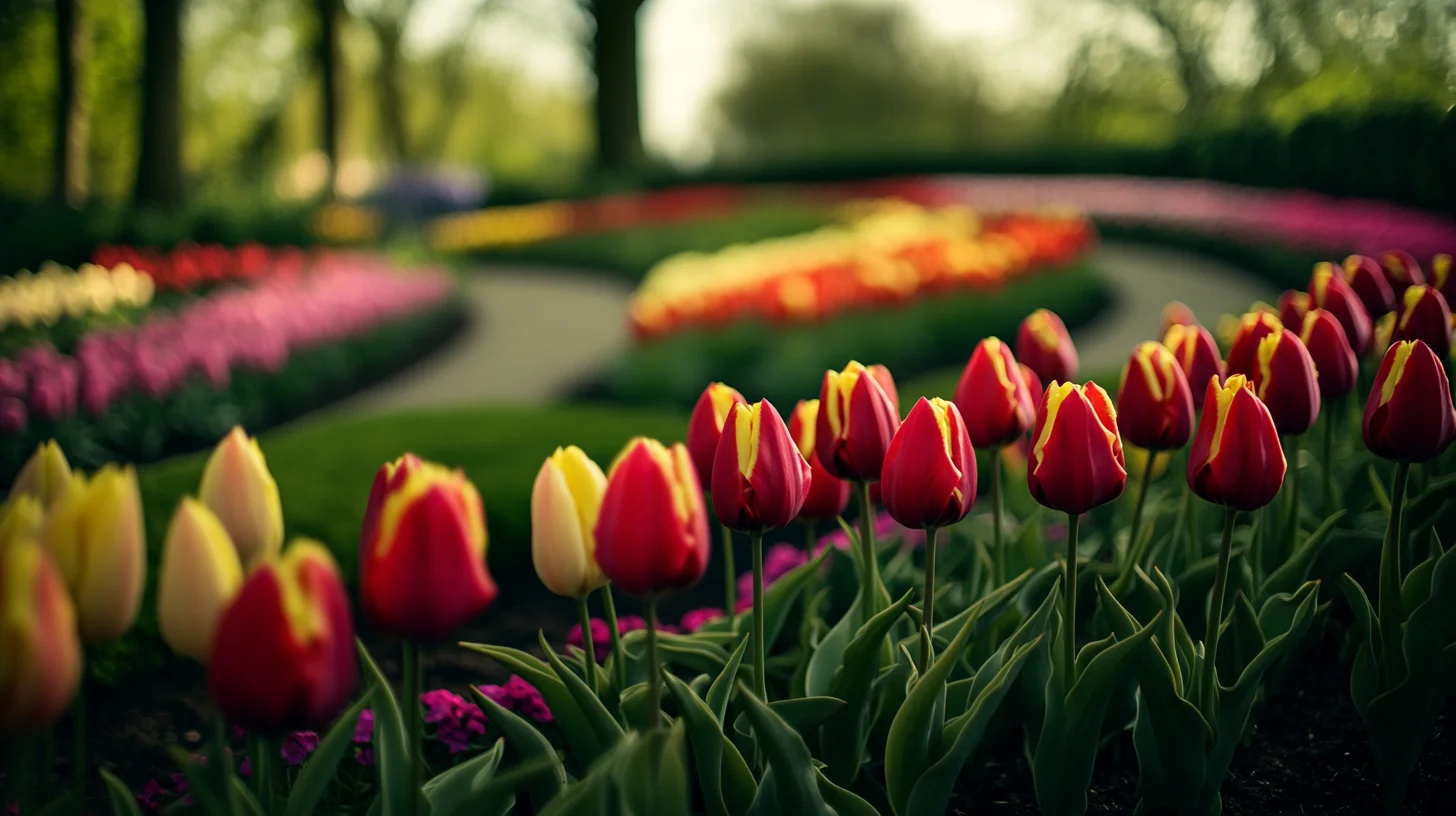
x=601 y=637
x=630 y=623
x=693 y=620
x=527 y=700
x=151 y=795
x=12 y=415
x=179 y=783
x=441 y=705
x=365 y=756
x=245 y=768
x=298 y=746
x=364 y=728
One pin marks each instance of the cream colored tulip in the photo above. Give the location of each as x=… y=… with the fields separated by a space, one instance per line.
x=237 y=486
x=96 y=537
x=199 y=577
x=44 y=474
x=21 y=518
x=40 y=657
x=565 y=502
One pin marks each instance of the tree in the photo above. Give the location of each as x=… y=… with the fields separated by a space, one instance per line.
x=73 y=102
x=331 y=83
x=159 y=166
x=615 y=105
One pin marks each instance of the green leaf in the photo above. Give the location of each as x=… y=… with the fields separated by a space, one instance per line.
x=529 y=746
x=318 y=772
x=450 y=792
x=244 y=803
x=727 y=784
x=1377 y=487
x=1365 y=674
x=803 y=714
x=396 y=789
x=597 y=717
x=1293 y=572
x=122 y=801
x=722 y=688
x=580 y=734
x=691 y=653
x=780 y=596
x=211 y=794
x=796 y=786
x=844 y=734
x=841 y=801
x=826 y=659
x=987 y=610
x=648 y=774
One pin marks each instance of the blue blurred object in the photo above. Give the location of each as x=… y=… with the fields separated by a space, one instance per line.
x=411 y=196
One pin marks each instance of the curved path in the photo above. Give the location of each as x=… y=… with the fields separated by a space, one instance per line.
x=539 y=331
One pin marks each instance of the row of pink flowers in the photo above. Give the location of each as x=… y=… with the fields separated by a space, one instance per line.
x=257 y=327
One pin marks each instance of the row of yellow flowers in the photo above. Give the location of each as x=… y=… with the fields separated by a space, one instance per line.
x=41 y=298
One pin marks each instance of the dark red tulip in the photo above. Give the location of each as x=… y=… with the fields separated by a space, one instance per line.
x=1236 y=459
x=1285 y=380
x=886 y=380
x=1044 y=345
x=828 y=494
x=1334 y=360
x=1243 y=354
x=1424 y=315
x=760 y=480
x=1401 y=270
x=1368 y=281
x=1034 y=387
x=1154 y=405
x=1443 y=278
x=1076 y=459
x=705 y=426
x=929 y=478
x=1409 y=414
x=857 y=420
x=1177 y=313
x=1292 y=306
x=1329 y=291
x=1197 y=354
x=652 y=531
x=993 y=397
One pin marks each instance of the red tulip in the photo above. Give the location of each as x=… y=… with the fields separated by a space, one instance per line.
x=1443 y=278
x=993 y=397
x=1197 y=354
x=705 y=426
x=1334 y=360
x=856 y=421
x=1292 y=307
x=1044 y=346
x=1077 y=461
x=1401 y=270
x=1177 y=313
x=652 y=531
x=1243 y=354
x=760 y=479
x=1285 y=380
x=1329 y=291
x=387 y=480
x=1409 y=414
x=828 y=494
x=1154 y=404
x=1425 y=316
x=930 y=469
x=1368 y=281
x=283 y=656
x=422 y=570
x=1034 y=388
x=886 y=380
x=38 y=637
x=1236 y=459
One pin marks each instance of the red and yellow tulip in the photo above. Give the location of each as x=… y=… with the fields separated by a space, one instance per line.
x=1329 y=291
x=705 y=426
x=1044 y=346
x=1334 y=360
x=1409 y=415
x=40 y=654
x=857 y=419
x=1424 y=315
x=1154 y=403
x=929 y=478
x=993 y=397
x=760 y=479
x=1236 y=460
x=652 y=532
x=1285 y=380
x=1197 y=354
x=828 y=494
x=1243 y=355
x=1076 y=459
x=1369 y=283
x=237 y=486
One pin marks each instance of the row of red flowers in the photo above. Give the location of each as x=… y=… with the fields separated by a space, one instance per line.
x=189 y=266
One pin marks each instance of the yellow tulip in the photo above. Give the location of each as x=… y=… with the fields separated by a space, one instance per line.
x=21 y=518
x=200 y=575
x=96 y=536
x=237 y=486
x=40 y=656
x=44 y=475
x=565 y=502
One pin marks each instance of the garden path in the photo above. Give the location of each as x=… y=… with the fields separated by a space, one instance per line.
x=539 y=331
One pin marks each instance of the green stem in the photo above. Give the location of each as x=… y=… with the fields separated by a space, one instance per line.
x=47 y=762
x=1135 y=550
x=1069 y=603
x=871 y=576
x=23 y=781
x=1182 y=545
x=1215 y=617
x=760 y=652
x=1390 y=575
x=80 y=769
x=1292 y=524
x=619 y=656
x=730 y=578
x=998 y=553
x=589 y=645
x=811 y=536
x=654 y=676
x=927 y=629
x=413 y=721
x=1328 y=461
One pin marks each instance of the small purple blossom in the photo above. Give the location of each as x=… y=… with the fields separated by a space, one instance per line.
x=298 y=746
x=364 y=728
x=693 y=620
x=601 y=636
x=151 y=795
x=245 y=768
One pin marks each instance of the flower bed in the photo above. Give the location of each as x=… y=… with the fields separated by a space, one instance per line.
x=190 y=266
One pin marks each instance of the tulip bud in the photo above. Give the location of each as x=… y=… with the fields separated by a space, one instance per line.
x=1401 y=270
x=42 y=655
x=95 y=534
x=652 y=533
x=1243 y=356
x=44 y=475
x=930 y=468
x=1443 y=278
x=1177 y=313
x=856 y=421
x=1236 y=459
x=1044 y=346
x=1368 y=282
x=828 y=494
x=237 y=486
x=1409 y=413
x=1034 y=389
x=1329 y=291
x=886 y=380
x=1154 y=404
x=992 y=396
x=1334 y=360
x=1285 y=381
x=422 y=573
x=1077 y=461
x=283 y=655
x=565 y=502
x=1425 y=316
x=705 y=426
x=1197 y=354
x=200 y=576
x=1381 y=336
x=1292 y=306
x=759 y=478
x=387 y=479
x=21 y=518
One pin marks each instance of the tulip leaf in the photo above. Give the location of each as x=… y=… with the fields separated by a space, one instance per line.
x=1366 y=672
x=723 y=685
x=844 y=734
x=727 y=783
x=243 y=801
x=796 y=787
x=841 y=801
x=803 y=714
x=1289 y=575
x=691 y=653
x=987 y=610
x=319 y=771
x=396 y=789
x=568 y=715
x=780 y=596
x=828 y=657
x=649 y=773
x=449 y=792
x=212 y=795
x=596 y=715
x=529 y=746
x=123 y=803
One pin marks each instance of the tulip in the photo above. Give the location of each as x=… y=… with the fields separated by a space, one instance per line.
x=95 y=534
x=41 y=668
x=1368 y=281
x=1401 y=270
x=1329 y=291
x=1292 y=306
x=283 y=654
x=44 y=475
x=705 y=426
x=1285 y=380
x=1409 y=415
x=237 y=486
x=856 y=421
x=564 y=504
x=1425 y=316
x=1043 y=344
x=1197 y=354
x=1333 y=358
x=1154 y=403
x=652 y=534
x=1034 y=388
x=200 y=576
x=886 y=380
x=422 y=571
x=828 y=494
x=1236 y=460
x=1243 y=355
x=389 y=478
x=1177 y=313
x=992 y=396
x=21 y=518
x=1443 y=278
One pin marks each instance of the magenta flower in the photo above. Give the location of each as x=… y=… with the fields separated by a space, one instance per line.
x=364 y=728
x=693 y=620
x=298 y=746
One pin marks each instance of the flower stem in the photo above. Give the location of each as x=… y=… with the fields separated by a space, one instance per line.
x=1135 y=549
x=80 y=769
x=1390 y=575
x=1292 y=524
x=871 y=576
x=1328 y=461
x=654 y=678
x=1069 y=603
x=619 y=657
x=589 y=645
x=927 y=630
x=730 y=578
x=1215 y=617
x=998 y=552
x=760 y=650
x=413 y=720
x=811 y=536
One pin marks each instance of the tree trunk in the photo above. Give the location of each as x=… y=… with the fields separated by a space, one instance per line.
x=73 y=103
x=614 y=60
x=159 y=167
x=391 y=89
x=331 y=84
